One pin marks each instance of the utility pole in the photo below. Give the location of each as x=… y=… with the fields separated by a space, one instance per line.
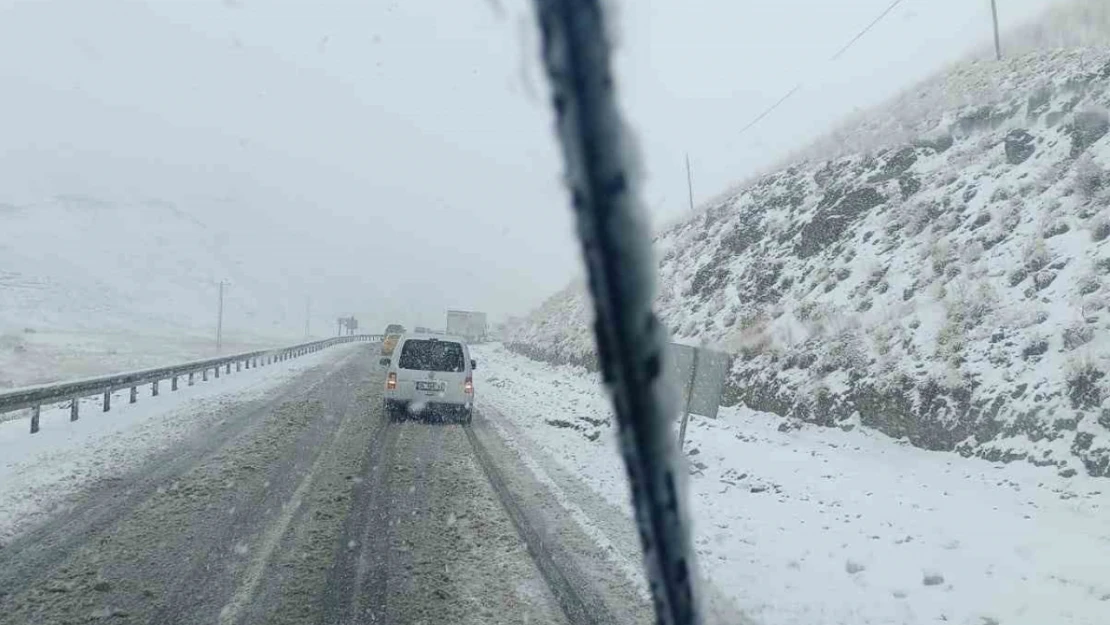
x=307 y=315
x=689 y=181
x=997 y=43
x=220 y=320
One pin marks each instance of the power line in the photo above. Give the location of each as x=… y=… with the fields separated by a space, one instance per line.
x=864 y=31
x=834 y=57
x=997 y=42
x=771 y=109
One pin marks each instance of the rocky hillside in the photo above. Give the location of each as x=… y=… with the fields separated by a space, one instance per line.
x=942 y=275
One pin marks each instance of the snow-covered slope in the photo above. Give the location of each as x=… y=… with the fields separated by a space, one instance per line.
x=87 y=263
x=949 y=287
x=89 y=286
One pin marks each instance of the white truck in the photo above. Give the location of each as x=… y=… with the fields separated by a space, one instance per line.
x=468 y=324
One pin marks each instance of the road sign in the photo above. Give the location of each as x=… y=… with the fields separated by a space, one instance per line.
x=699 y=375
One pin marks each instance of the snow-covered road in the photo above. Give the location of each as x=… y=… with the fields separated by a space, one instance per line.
x=290 y=499
x=37 y=472
x=810 y=525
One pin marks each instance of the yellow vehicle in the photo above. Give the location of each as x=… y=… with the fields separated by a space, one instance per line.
x=389 y=343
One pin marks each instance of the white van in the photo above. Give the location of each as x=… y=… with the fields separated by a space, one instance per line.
x=429 y=376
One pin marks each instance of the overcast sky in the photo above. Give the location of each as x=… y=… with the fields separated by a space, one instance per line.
x=409 y=142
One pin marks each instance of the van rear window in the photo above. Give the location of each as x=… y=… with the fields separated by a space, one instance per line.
x=424 y=355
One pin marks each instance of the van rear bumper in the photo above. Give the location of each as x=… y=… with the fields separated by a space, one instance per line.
x=429 y=410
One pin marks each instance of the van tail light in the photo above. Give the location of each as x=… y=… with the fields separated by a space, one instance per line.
x=391 y=381
x=468 y=386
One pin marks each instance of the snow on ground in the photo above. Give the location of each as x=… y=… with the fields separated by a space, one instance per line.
x=48 y=355
x=38 y=472
x=817 y=525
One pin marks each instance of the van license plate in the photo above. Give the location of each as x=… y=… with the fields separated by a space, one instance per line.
x=429 y=386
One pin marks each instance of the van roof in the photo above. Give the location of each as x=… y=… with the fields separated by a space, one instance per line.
x=434 y=337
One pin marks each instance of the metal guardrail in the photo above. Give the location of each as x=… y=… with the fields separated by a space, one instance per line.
x=34 y=397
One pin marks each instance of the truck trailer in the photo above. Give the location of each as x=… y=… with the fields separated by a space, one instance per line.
x=467 y=324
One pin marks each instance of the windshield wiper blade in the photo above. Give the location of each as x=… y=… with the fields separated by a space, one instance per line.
x=598 y=156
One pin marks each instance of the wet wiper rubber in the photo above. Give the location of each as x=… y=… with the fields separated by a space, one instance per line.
x=599 y=161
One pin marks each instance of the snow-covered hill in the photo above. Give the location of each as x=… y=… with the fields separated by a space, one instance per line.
x=86 y=263
x=936 y=270
x=89 y=285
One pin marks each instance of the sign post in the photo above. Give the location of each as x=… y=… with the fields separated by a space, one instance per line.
x=689 y=396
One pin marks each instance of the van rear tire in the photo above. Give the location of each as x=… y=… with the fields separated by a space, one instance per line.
x=393 y=412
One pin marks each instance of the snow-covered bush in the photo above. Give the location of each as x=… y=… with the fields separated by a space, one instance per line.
x=1078 y=335
x=1084 y=382
x=845 y=351
x=1100 y=228
x=941 y=255
x=882 y=336
x=1090 y=178
x=971 y=253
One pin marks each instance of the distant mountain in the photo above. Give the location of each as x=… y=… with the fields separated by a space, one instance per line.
x=938 y=269
x=75 y=262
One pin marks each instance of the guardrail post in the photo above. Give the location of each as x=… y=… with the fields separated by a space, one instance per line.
x=238 y=365
x=35 y=418
x=173 y=383
x=154 y=388
x=216 y=369
x=134 y=394
x=204 y=375
x=190 y=378
x=228 y=370
x=107 y=403
x=73 y=403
